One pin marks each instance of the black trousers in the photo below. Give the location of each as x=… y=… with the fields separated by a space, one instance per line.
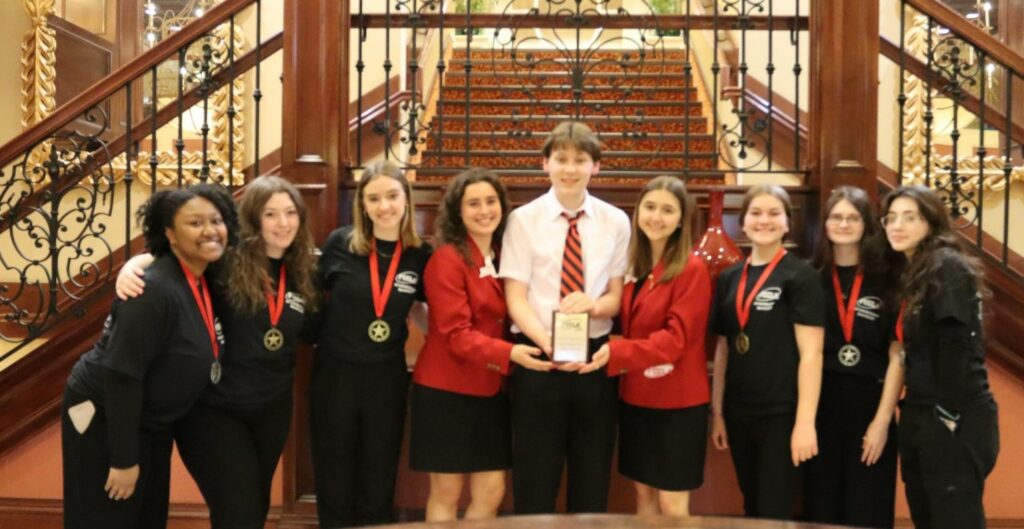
x=945 y=472
x=562 y=421
x=232 y=455
x=357 y=413
x=763 y=462
x=839 y=488
x=87 y=465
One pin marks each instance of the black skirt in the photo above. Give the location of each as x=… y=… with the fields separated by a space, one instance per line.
x=663 y=449
x=456 y=433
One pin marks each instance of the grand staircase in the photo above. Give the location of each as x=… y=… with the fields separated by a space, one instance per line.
x=649 y=115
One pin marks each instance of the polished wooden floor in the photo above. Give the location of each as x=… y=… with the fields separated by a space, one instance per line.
x=610 y=521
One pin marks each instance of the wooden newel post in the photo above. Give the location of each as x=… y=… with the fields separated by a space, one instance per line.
x=314 y=155
x=844 y=95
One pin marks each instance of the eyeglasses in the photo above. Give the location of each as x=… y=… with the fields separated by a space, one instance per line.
x=907 y=217
x=851 y=220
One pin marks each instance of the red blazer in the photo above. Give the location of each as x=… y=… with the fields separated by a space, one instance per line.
x=465 y=351
x=662 y=358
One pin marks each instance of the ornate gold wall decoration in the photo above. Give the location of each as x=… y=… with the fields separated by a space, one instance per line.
x=38 y=64
x=915 y=143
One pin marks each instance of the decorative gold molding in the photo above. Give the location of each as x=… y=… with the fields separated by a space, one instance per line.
x=38 y=64
x=915 y=141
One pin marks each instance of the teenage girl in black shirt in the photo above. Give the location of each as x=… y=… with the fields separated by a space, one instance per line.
x=372 y=272
x=767 y=374
x=853 y=479
x=949 y=433
x=232 y=439
x=156 y=355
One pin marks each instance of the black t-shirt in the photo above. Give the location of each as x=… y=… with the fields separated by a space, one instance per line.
x=158 y=338
x=253 y=374
x=344 y=334
x=872 y=327
x=956 y=299
x=763 y=380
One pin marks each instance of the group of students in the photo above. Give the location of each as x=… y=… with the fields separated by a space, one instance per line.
x=202 y=351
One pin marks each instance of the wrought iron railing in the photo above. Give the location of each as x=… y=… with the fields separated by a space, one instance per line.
x=960 y=123
x=654 y=85
x=182 y=112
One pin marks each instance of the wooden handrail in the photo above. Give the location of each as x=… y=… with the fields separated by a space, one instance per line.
x=142 y=129
x=993 y=117
x=376 y=110
x=401 y=20
x=948 y=18
x=115 y=81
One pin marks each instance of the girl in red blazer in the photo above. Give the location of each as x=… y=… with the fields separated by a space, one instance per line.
x=663 y=424
x=460 y=422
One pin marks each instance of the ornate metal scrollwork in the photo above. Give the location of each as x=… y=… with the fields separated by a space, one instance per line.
x=57 y=215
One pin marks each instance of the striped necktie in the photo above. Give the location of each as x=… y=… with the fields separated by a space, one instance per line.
x=572 y=258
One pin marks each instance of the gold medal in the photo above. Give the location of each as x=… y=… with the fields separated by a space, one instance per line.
x=379 y=331
x=215 y=371
x=742 y=343
x=273 y=339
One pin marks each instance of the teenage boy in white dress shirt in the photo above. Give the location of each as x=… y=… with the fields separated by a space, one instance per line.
x=561 y=418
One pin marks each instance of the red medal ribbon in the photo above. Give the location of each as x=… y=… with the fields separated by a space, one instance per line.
x=380 y=296
x=743 y=305
x=899 y=323
x=276 y=308
x=205 y=306
x=848 y=312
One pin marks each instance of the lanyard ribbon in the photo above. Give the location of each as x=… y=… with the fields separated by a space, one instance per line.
x=205 y=306
x=743 y=305
x=847 y=312
x=381 y=295
x=276 y=307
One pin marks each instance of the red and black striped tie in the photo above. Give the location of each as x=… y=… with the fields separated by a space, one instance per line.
x=572 y=258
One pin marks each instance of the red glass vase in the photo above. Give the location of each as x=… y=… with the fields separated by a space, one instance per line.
x=715 y=248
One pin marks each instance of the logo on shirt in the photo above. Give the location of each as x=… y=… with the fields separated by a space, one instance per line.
x=406 y=282
x=658 y=371
x=868 y=307
x=766 y=298
x=295 y=302
x=219 y=330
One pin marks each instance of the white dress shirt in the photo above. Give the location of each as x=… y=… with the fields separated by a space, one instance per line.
x=531 y=252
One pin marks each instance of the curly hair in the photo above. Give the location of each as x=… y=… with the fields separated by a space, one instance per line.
x=918 y=277
x=450 y=229
x=157 y=214
x=680 y=242
x=362 y=226
x=248 y=261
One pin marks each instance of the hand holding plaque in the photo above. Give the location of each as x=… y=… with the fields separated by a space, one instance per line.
x=570 y=337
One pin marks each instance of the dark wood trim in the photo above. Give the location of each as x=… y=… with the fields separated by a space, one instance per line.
x=401 y=20
x=115 y=81
x=947 y=17
x=375 y=97
x=142 y=129
x=993 y=116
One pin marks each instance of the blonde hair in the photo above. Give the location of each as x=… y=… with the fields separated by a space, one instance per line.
x=362 y=232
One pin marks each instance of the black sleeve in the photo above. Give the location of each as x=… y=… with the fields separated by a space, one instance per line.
x=955 y=346
x=330 y=256
x=138 y=331
x=123 y=406
x=311 y=325
x=805 y=297
x=957 y=295
x=716 y=321
x=425 y=252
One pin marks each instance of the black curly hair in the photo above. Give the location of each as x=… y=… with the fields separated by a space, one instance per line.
x=157 y=213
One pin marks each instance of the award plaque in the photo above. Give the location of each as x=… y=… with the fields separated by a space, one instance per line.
x=570 y=337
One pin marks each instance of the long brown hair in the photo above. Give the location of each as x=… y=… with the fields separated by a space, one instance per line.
x=362 y=232
x=680 y=242
x=247 y=279
x=450 y=227
x=871 y=243
x=918 y=277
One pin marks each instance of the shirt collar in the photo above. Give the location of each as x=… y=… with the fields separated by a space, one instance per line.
x=554 y=209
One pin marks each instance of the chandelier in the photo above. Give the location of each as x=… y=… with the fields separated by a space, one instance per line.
x=161 y=24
